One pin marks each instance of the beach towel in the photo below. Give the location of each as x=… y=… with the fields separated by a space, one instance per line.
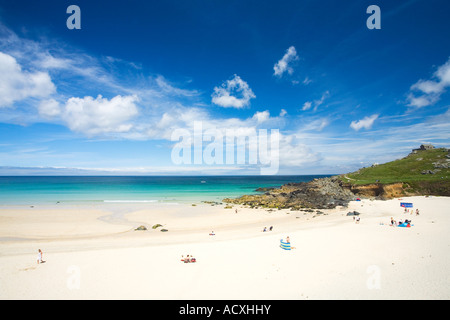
x=405 y=225
x=285 y=245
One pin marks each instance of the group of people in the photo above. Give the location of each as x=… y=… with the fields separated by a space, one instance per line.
x=188 y=259
x=270 y=229
x=400 y=222
x=411 y=211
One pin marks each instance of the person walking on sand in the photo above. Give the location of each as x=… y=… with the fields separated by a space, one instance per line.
x=39 y=256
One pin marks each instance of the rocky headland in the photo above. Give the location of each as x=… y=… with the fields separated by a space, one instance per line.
x=408 y=176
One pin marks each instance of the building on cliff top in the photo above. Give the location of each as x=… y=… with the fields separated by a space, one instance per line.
x=424 y=147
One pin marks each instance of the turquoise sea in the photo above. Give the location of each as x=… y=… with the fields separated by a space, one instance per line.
x=30 y=190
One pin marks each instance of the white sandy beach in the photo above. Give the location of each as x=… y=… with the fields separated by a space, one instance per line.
x=93 y=252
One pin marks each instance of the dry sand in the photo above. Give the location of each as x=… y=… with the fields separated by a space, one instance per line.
x=93 y=252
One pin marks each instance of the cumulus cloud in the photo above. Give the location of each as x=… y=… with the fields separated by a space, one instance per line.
x=283 y=65
x=17 y=84
x=234 y=93
x=49 y=108
x=430 y=90
x=365 y=123
x=294 y=153
x=261 y=116
x=99 y=116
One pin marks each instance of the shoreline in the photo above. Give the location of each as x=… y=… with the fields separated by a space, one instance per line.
x=331 y=260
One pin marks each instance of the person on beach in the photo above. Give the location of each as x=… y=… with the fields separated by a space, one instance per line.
x=39 y=257
x=392 y=222
x=265 y=229
x=271 y=228
x=417 y=212
x=288 y=240
x=188 y=259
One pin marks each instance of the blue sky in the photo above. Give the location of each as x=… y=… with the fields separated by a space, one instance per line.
x=107 y=98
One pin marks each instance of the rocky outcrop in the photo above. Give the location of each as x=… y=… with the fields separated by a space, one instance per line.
x=325 y=193
x=322 y=193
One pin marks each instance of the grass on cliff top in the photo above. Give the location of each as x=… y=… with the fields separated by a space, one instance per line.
x=407 y=169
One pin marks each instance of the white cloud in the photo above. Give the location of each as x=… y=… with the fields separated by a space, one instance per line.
x=430 y=90
x=307 y=105
x=49 y=108
x=283 y=65
x=17 y=84
x=422 y=101
x=168 y=88
x=443 y=73
x=428 y=87
x=323 y=123
x=261 y=116
x=100 y=116
x=307 y=81
x=294 y=153
x=316 y=103
x=365 y=123
x=234 y=93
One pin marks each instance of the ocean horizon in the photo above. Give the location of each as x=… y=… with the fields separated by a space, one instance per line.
x=32 y=190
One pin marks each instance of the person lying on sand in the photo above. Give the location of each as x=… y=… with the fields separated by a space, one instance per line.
x=188 y=259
